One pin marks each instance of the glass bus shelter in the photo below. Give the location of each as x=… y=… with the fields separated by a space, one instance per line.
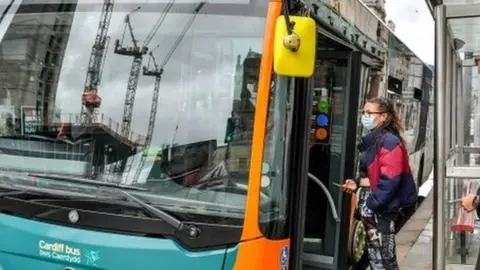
x=457 y=63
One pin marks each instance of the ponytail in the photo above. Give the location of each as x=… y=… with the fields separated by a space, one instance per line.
x=392 y=123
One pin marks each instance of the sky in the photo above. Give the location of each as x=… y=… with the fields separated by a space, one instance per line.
x=413 y=25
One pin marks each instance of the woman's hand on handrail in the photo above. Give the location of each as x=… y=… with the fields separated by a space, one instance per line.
x=350 y=186
x=469 y=202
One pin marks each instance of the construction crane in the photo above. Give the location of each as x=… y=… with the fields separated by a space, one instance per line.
x=137 y=52
x=157 y=72
x=90 y=98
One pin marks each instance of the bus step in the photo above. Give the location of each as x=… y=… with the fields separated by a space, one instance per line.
x=312 y=245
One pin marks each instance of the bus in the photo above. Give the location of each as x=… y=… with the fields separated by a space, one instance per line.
x=410 y=87
x=223 y=155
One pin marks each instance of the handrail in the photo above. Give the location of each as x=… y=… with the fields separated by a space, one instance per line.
x=329 y=197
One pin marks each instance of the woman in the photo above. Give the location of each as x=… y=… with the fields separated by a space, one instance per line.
x=384 y=159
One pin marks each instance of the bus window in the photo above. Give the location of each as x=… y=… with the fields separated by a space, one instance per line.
x=275 y=170
x=408 y=110
x=364 y=86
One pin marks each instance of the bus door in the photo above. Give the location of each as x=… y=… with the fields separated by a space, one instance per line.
x=356 y=245
x=339 y=83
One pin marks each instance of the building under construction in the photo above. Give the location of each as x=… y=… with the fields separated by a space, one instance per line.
x=31 y=56
x=246 y=78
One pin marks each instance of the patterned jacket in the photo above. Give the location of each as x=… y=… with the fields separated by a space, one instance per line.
x=385 y=159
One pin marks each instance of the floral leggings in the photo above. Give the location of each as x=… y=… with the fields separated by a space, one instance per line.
x=380 y=229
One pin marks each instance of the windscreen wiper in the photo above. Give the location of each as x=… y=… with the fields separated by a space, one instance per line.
x=81 y=180
x=177 y=224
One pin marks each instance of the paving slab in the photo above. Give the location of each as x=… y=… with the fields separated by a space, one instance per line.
x=407 y=237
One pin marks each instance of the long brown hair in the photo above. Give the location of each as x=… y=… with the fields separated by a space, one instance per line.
x=392 y=123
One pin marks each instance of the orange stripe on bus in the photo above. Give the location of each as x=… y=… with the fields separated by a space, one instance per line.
x=255 y=251
x=251 y=229
x=261 y=254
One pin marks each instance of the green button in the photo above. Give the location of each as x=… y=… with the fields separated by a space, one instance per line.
x=323 y=106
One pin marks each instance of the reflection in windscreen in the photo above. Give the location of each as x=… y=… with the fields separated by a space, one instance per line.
x=105 y=74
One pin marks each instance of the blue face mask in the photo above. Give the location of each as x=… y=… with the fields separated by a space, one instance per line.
x=368 y=122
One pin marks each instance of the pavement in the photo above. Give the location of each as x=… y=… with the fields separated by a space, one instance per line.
x=415 y=243
x=417 y=253
x=420 y=254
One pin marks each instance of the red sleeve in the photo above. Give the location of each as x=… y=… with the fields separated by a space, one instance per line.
x=391 y=170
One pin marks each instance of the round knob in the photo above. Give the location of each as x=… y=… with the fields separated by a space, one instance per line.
x=193 y=232
x=292 y=42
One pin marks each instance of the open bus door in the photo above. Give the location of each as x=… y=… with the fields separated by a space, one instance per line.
x=337 y=90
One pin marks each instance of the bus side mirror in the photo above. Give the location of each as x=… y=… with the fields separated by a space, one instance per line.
x=294 y=54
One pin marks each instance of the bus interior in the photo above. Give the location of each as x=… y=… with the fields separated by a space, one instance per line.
x=339 y=87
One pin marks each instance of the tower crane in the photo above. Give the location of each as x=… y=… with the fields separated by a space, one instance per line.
x=157 y=72
x=90 y=98
x=137 y=52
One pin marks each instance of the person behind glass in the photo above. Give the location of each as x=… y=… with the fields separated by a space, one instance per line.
x=384 y=160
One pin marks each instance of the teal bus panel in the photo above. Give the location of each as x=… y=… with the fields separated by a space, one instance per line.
x=28 y=245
